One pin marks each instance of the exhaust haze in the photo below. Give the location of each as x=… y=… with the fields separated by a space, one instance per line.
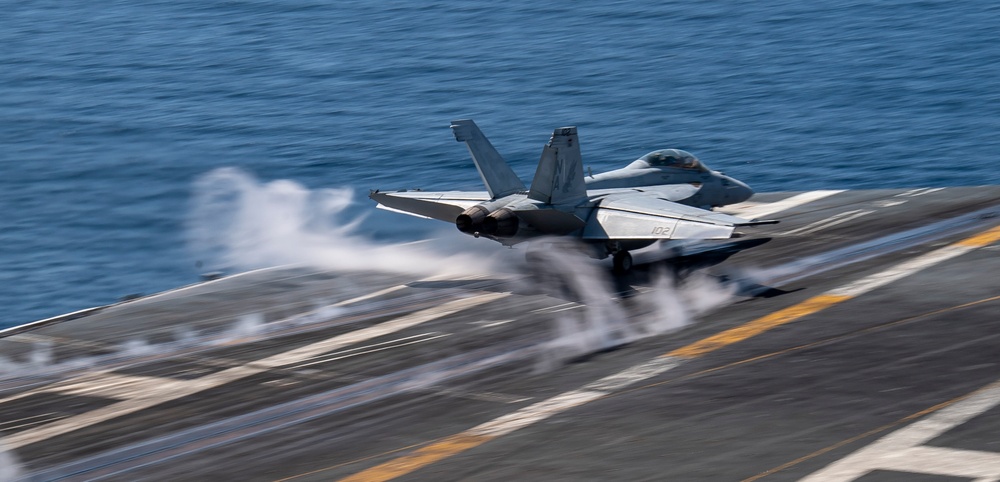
x=604 y=320
x=238 y=222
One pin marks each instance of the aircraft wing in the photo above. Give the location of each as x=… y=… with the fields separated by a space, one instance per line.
x=444 y=206
x=643 y=216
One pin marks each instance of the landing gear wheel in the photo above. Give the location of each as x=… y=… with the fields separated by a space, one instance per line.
x=623 y=262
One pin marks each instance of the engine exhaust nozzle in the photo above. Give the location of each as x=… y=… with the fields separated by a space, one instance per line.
x=502 y=223
x=471 y=220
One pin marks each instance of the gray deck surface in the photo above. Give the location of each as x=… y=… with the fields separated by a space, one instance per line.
x=293 y=372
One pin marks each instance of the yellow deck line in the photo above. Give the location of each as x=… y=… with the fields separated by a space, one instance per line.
x=420 y=458
x=758 y=326
x=982 y=239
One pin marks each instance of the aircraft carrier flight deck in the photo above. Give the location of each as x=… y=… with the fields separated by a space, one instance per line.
x=858 y=339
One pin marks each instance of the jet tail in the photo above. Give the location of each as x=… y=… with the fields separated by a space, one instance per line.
x=499 y=178
x=559 y=178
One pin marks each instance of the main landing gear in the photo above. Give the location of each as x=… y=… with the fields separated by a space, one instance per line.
x=622 y=262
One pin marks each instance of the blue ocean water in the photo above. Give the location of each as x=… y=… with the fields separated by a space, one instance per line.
x=110 y=111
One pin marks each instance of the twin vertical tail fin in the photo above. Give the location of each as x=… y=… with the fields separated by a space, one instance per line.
x=498 y=177
x=559 y=178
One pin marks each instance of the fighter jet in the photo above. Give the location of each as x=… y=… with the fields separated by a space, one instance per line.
x=666 y=194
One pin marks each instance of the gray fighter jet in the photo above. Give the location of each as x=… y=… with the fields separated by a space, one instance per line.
x=666 y=194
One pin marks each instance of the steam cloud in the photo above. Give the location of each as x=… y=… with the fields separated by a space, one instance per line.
x=239 y=222
x=603 y=321
x=38 y=358
x=10 y=469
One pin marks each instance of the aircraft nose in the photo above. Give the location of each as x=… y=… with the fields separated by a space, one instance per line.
x=737 y=192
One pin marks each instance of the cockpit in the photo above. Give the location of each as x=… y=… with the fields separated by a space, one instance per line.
x=675 y=158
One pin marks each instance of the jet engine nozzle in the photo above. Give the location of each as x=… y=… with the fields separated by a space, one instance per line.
x=502 y=223
x=471 y=220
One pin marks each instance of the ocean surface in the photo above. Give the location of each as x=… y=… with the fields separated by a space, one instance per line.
x=116 y=117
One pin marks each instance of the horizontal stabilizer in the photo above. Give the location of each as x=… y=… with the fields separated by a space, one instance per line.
x=499 y=178
x=444 y=206
x=400 y=211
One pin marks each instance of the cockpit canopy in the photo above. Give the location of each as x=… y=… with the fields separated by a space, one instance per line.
x=669 y=158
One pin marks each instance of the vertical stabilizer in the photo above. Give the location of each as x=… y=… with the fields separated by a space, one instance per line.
x=499 y=178
x=559 y=177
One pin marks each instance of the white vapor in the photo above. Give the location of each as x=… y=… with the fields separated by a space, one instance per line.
x=138 y=347
x=246 y=328
x=39 y=358
x=560 y=269
x=239 y=222
x=672 y=305
x=603 y=322
x=10 y=469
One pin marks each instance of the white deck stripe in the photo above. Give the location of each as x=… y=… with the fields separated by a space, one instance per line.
x=903 y=449
x=901 y=270
x=369 y=295
x=574 y=398
x=829 y=222
x=495 y=323
x=3 y=425
x=637 y=373
x=391 y=289
x=342 y=355
x=164 y=392
x=113 y=385
x=534 y=413
x=763 y=210
x=373 y=345
x=936 y=189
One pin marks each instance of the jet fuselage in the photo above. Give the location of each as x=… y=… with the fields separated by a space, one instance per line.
x=716 y=188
